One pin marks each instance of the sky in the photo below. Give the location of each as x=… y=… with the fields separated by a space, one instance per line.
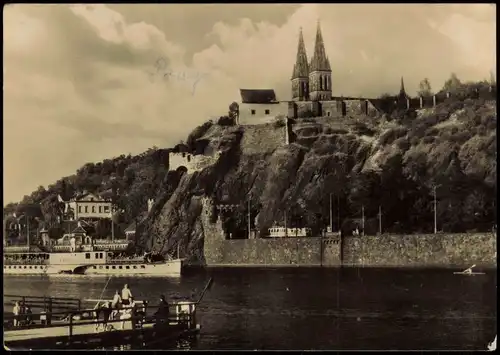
x=87 y=82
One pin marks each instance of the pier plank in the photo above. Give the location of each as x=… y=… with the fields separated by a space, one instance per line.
x=63 y=330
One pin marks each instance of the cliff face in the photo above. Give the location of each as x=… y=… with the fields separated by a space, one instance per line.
x=363 y=162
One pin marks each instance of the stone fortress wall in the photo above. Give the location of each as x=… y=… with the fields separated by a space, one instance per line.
x=341 y=107
x=191 y=162
x=433 y=250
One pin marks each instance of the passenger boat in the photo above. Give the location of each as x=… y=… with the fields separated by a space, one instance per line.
x=90 y=257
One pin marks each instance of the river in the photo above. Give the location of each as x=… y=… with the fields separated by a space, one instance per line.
x=313 y=308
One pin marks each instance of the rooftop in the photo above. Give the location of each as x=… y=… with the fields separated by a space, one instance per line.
x=258 y=96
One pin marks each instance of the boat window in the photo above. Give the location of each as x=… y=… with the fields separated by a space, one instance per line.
x=97 y=255
x=113 y=267
x=120 y=267
x=107 y=267
x=143 y=267
x=35 y=267
x=100 y=255
x=25 y=266
x=100 y=267
x=127 y=267
x=30 y=266
x=135 y=266
x=87 y=255
x=95 y=267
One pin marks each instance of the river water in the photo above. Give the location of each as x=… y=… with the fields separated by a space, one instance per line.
x=313 y=308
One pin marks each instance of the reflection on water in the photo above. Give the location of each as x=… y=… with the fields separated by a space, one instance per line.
x=311 y=308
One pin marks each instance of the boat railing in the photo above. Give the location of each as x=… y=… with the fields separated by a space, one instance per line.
x=37 y=261
x=89 y=316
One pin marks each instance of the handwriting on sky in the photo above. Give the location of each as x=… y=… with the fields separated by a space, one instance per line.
x=162 y=72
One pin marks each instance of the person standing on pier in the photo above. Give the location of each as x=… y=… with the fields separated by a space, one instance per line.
x=126 y=295
x=16 y=310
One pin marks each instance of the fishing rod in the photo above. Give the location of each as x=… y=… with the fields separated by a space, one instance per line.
x=209 y=283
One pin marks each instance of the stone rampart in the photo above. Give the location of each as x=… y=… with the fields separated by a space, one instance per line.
x=460 y=250
x=191 y=162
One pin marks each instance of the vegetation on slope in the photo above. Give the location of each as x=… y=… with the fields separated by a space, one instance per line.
x=392 y=163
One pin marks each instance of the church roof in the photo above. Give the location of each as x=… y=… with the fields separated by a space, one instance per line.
x=319 y=59
x=259 y=96
x=301 y=68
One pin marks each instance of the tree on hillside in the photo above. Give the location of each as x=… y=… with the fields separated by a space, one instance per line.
x=425 y=88
x=233 y=111
x=452 y=83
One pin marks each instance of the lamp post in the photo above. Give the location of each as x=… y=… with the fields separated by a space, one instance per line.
x=434 y=187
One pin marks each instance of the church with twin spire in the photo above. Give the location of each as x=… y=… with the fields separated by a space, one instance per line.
x=312 y=81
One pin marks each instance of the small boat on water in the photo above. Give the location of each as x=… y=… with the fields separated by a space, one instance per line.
x=469 y=272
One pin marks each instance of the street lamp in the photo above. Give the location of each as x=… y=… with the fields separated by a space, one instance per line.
x=434 y=187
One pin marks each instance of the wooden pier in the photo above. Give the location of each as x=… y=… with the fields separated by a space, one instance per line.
x=71 y=327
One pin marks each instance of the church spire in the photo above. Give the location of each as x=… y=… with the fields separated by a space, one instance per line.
x=301 y=68
x=319 y=60
x=402 y=91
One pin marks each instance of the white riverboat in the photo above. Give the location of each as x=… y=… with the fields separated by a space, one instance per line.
x=92 y=258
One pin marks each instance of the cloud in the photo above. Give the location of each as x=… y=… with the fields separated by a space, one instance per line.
x=82 y=82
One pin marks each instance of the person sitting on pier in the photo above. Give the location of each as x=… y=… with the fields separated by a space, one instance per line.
x=127 y=312
x=126 y=295
x=115 y=304
x=16 y=311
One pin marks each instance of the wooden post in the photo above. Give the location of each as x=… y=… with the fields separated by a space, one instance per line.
x=49 y=311
x=70 y=325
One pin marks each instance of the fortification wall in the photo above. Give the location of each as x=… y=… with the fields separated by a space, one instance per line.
x=191 y=162
x=258 y=139
x=420 y=250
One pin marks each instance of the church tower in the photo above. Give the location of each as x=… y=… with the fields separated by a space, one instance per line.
x=320 y=72
x=300 y=76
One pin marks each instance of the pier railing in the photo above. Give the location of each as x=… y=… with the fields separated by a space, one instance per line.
x=46 y=304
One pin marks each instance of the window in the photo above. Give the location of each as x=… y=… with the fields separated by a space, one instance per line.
x=253 y=112
x=266 y=112
x=79 y=209
x=87 y=255
x=30 y=267
x=93 y=209
x=143 y=267
x=100 y=267
x=106 y=209
x=95 y=267
x=189 y=158
x=120 y=267
x=100 y=209
x=135 y=266
x=86 y=209
x=113 y=267
x=100 y=255
x=328 y=113
x=107 y=267
x=127 y=267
